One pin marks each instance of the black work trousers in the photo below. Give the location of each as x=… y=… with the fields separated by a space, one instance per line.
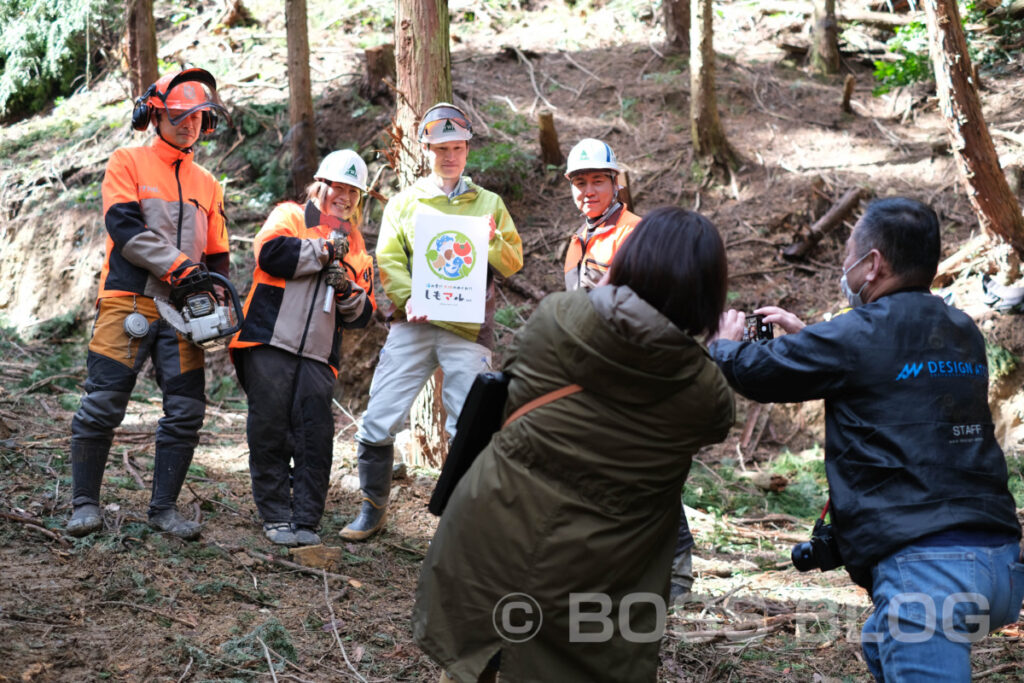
x=290 y=431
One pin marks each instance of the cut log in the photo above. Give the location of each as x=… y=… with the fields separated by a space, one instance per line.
x=826 y=224
x=883 y=19
x=550 y=152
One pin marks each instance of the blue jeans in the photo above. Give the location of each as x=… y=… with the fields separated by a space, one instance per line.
x=932 y=603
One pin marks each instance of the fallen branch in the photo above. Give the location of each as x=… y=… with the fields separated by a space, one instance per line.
x=131 y=470
x=334 y=629
x=44 y=381
x=835 y=216
x=524 y=288
x=216 y=502
x=36 y=525
x=769 y=271
x=773 y=518
x=140 y=608
x=533 y=79
x=748 y=629
x=411 y=551
x=1012 y=666
x=264 y=557
x=883 y=19
x=960 y=261
x=270 y=662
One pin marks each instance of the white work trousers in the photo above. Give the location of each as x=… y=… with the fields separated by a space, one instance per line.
x=409 y=357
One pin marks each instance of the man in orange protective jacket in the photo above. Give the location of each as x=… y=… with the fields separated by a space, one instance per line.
x=164 y=217
x=593 y=174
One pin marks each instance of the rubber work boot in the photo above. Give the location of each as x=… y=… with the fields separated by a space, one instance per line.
x=172 y=522
x=85 y=520
x=682 y=577
x=304 y=536
x=88 y=459
x=280 y=533
x=375 y=471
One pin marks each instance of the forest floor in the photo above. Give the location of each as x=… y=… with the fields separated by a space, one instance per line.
x=128 y=604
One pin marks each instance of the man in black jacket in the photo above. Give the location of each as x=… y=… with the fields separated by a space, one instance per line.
x=917 y=481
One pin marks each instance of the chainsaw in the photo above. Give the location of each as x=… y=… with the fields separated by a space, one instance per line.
x=196 y=314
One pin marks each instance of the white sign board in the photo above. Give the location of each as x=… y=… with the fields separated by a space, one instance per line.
x=449 y=267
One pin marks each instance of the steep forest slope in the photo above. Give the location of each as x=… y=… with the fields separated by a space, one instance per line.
x=130 y=605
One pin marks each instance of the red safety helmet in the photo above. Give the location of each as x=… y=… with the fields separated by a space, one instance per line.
x=185 y=92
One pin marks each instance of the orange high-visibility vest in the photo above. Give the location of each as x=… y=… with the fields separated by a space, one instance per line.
x=591 y=250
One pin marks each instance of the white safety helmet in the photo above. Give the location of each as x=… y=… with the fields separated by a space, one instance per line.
x=444 y=123
x=591 y=154
x=344 y=166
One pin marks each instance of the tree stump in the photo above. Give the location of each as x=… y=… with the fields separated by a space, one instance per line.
x=550 y=152
x=380 y=65
x=848 y=92
x=625 y=194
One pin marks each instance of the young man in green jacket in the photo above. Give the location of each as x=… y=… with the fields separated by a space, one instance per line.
x=416 y=346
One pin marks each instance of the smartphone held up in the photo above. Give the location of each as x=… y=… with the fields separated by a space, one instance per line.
x=757 y=329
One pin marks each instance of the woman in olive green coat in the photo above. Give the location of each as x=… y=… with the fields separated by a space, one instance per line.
x=582 y=495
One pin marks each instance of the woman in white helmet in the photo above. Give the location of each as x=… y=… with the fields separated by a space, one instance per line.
x=593 y=175
x=313 y=278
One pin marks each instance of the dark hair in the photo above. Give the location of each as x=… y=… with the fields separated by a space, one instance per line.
x=906 y=233
x=675 y=261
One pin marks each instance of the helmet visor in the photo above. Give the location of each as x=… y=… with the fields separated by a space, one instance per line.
x=444 y=124
x=190 y=91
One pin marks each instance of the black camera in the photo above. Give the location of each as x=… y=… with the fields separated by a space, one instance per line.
x=821 y=552
x=756 y=329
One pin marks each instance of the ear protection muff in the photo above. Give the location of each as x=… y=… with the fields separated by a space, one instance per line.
x=143 y=112
x=209 y=122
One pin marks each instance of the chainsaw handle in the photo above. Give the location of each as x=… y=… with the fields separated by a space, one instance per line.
x=235 y=301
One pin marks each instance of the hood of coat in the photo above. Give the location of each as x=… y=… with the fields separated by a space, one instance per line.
x=623 y=347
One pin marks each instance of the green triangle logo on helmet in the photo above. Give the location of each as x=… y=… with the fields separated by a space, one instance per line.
x=352 y=171
x=584 y=156
x=448 y=127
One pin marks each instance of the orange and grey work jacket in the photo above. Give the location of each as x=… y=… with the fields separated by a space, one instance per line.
x=591 y=249
x=285 y=306
x=162 y=211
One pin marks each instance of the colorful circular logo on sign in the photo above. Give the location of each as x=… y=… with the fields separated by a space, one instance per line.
x=451 y=255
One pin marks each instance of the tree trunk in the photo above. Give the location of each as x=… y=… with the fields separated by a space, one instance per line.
x=994 y=203
x=424 y=73
x=424 y=78
x=300 y=99
x=140 y=45
x=709 y=141
x=676 y=16
x=825 y=38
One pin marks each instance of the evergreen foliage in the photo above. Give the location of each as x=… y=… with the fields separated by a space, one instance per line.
x=45 y=46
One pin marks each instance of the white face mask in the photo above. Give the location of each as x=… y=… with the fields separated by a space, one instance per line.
x=851 y=296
